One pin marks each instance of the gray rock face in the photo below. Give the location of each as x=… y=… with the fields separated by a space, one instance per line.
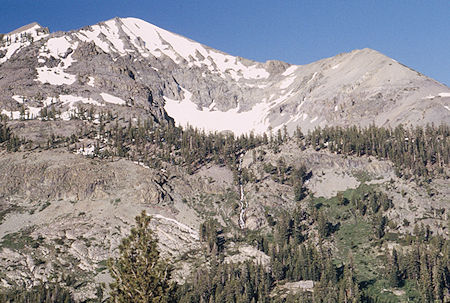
x=153 y=72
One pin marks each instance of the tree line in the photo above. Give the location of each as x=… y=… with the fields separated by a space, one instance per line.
x=415 y=151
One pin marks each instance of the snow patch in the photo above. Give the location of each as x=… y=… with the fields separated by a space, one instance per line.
x=13 y=115
x=141 y=164
x=57 y=48
x=91 y=81
x=336 y=66
x=86 y=151
x=70 y=101
x=290 y=70
x=18 y=98
x=112 y=99
x=30 y=112
x=54 y=76
x=444 y=95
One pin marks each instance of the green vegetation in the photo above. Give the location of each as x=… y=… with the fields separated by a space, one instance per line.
x=17 y=240
x=360 y=269
x=12 y=142
x=139 y=273
x=419 y=151
x=48 y=293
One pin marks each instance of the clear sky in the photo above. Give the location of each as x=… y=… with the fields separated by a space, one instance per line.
x=414 y=32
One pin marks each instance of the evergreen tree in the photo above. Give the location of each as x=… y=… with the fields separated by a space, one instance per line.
x=139 y=273
x=393 y=271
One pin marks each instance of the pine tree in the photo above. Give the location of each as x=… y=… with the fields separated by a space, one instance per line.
x=139 y=273
x=394 y=272
x=438 y=281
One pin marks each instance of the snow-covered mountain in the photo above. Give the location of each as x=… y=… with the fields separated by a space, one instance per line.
x=133 y=67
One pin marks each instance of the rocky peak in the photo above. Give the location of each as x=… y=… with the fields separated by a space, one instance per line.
x=26 y=28
x=135 y=61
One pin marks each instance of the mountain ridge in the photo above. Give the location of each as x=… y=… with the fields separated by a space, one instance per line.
x=207 y=88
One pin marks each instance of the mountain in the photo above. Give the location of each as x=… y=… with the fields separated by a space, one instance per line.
x=129 y=61
x=89 y=138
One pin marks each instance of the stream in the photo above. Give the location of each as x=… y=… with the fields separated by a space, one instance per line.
x=242 y=202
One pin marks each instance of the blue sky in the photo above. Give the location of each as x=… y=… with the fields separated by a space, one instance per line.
x=414 y=32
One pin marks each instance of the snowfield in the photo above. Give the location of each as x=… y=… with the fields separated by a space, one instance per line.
x=186 y=113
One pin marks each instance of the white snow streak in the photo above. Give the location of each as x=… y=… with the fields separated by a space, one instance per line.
x=290 y=70
x=141 y=164
x=181 y=226
x=10 y=50
x=242 y=201
x=112 y=99
x=312 y=78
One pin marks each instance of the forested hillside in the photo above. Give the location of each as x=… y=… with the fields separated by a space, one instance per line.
x=352 y=246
